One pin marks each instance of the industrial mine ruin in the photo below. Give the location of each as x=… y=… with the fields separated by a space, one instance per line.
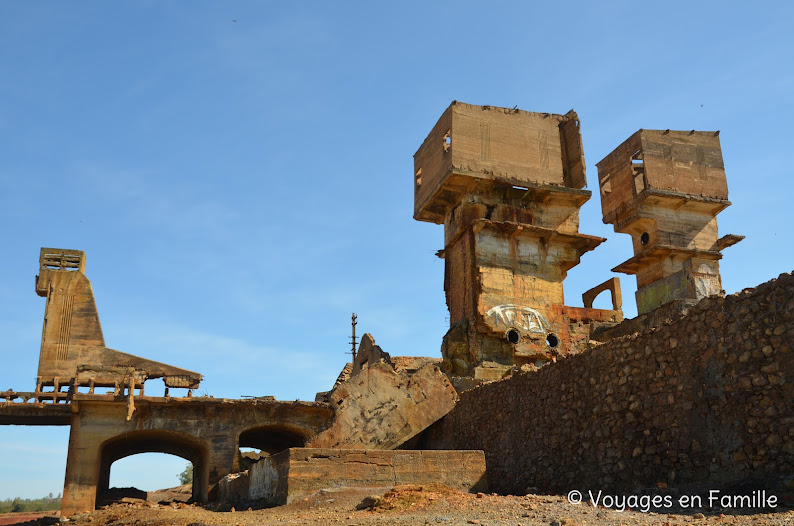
x=529 y=392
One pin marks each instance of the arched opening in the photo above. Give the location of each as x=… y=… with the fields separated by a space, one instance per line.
x=174 y=443
x=145 y=474
x=259 y=442
x=603 y=301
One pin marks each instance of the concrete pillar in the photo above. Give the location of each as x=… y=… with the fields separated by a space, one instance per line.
x=82 y=472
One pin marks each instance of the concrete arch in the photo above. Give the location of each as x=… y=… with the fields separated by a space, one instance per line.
x=273 y=438
x=175 y=443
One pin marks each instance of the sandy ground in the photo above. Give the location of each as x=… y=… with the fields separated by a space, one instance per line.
x=411 y=505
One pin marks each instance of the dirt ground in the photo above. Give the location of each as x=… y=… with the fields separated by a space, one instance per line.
x=414 y=505
x=29 y=517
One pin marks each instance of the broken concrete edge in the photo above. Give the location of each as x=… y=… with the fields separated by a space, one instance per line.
x=296 y=473
x=381 y=408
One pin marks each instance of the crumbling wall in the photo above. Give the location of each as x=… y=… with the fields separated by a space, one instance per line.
x=706 y=398
x=381 y=408
x=298 y=472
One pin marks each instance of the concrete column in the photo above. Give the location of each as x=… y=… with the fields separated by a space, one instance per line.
x=82 y=472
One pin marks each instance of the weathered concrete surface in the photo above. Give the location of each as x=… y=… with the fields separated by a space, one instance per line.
x=507 y=185
x=234 y=488
x=297 y=472
x=34 y=414
x=665 y=189
x=368 y=353
x=380 y=408
x=205 y=431
x=706 y=399
x=73 y=350
x=488 y=142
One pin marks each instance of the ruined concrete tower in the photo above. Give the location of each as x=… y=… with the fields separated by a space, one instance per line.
x=665 y=189
x=73 y=348
x=507 y=184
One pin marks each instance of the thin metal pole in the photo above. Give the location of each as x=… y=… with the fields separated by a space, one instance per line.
x=353 y=340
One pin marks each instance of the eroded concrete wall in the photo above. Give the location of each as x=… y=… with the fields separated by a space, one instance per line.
x=665 y=189
x=380 y=408
x=298 y=472
x=706 y=398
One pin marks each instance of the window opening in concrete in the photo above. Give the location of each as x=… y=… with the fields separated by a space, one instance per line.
x=447 y=141
x=638 y=167
x=644 y=238
x=513 y=336
x=552 y=341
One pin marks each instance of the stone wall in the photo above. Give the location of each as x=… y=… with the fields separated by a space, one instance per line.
x=705 y=399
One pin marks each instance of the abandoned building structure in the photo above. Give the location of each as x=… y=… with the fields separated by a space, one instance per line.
x=507 y=185
x=665 y=189
x=696 y=389
x=73 y=349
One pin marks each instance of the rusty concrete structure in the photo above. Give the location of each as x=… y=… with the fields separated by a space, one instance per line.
x=73 y=351
x=381 y=406
x=207 y=432
x=507 y=185
x=297 y=473
x=665 y=188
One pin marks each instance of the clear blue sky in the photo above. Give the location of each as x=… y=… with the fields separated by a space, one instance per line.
x=240 y=173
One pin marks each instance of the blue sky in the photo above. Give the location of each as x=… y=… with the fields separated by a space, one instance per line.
x=240 y=173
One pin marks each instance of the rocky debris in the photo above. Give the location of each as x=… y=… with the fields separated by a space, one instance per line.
x=369 y=501
x=183 y=493
x=413 y=505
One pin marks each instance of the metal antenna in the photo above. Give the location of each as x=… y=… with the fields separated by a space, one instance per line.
x=353 y=340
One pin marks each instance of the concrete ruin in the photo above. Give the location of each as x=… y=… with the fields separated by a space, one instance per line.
x=665 y=188
x=696 y=389
x=382 y=406
x=507 y=185
x=299 y=472
x=73 y=351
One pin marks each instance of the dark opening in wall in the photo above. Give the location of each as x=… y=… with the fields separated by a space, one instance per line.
x=644 y=238
x=513 y=336
x=552 y=341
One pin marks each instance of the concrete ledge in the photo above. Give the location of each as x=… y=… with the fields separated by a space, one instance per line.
x=298 y=472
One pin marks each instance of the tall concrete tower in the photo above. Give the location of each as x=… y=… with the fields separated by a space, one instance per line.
x=73 y=350
x=665 y=188
x=507 y=185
